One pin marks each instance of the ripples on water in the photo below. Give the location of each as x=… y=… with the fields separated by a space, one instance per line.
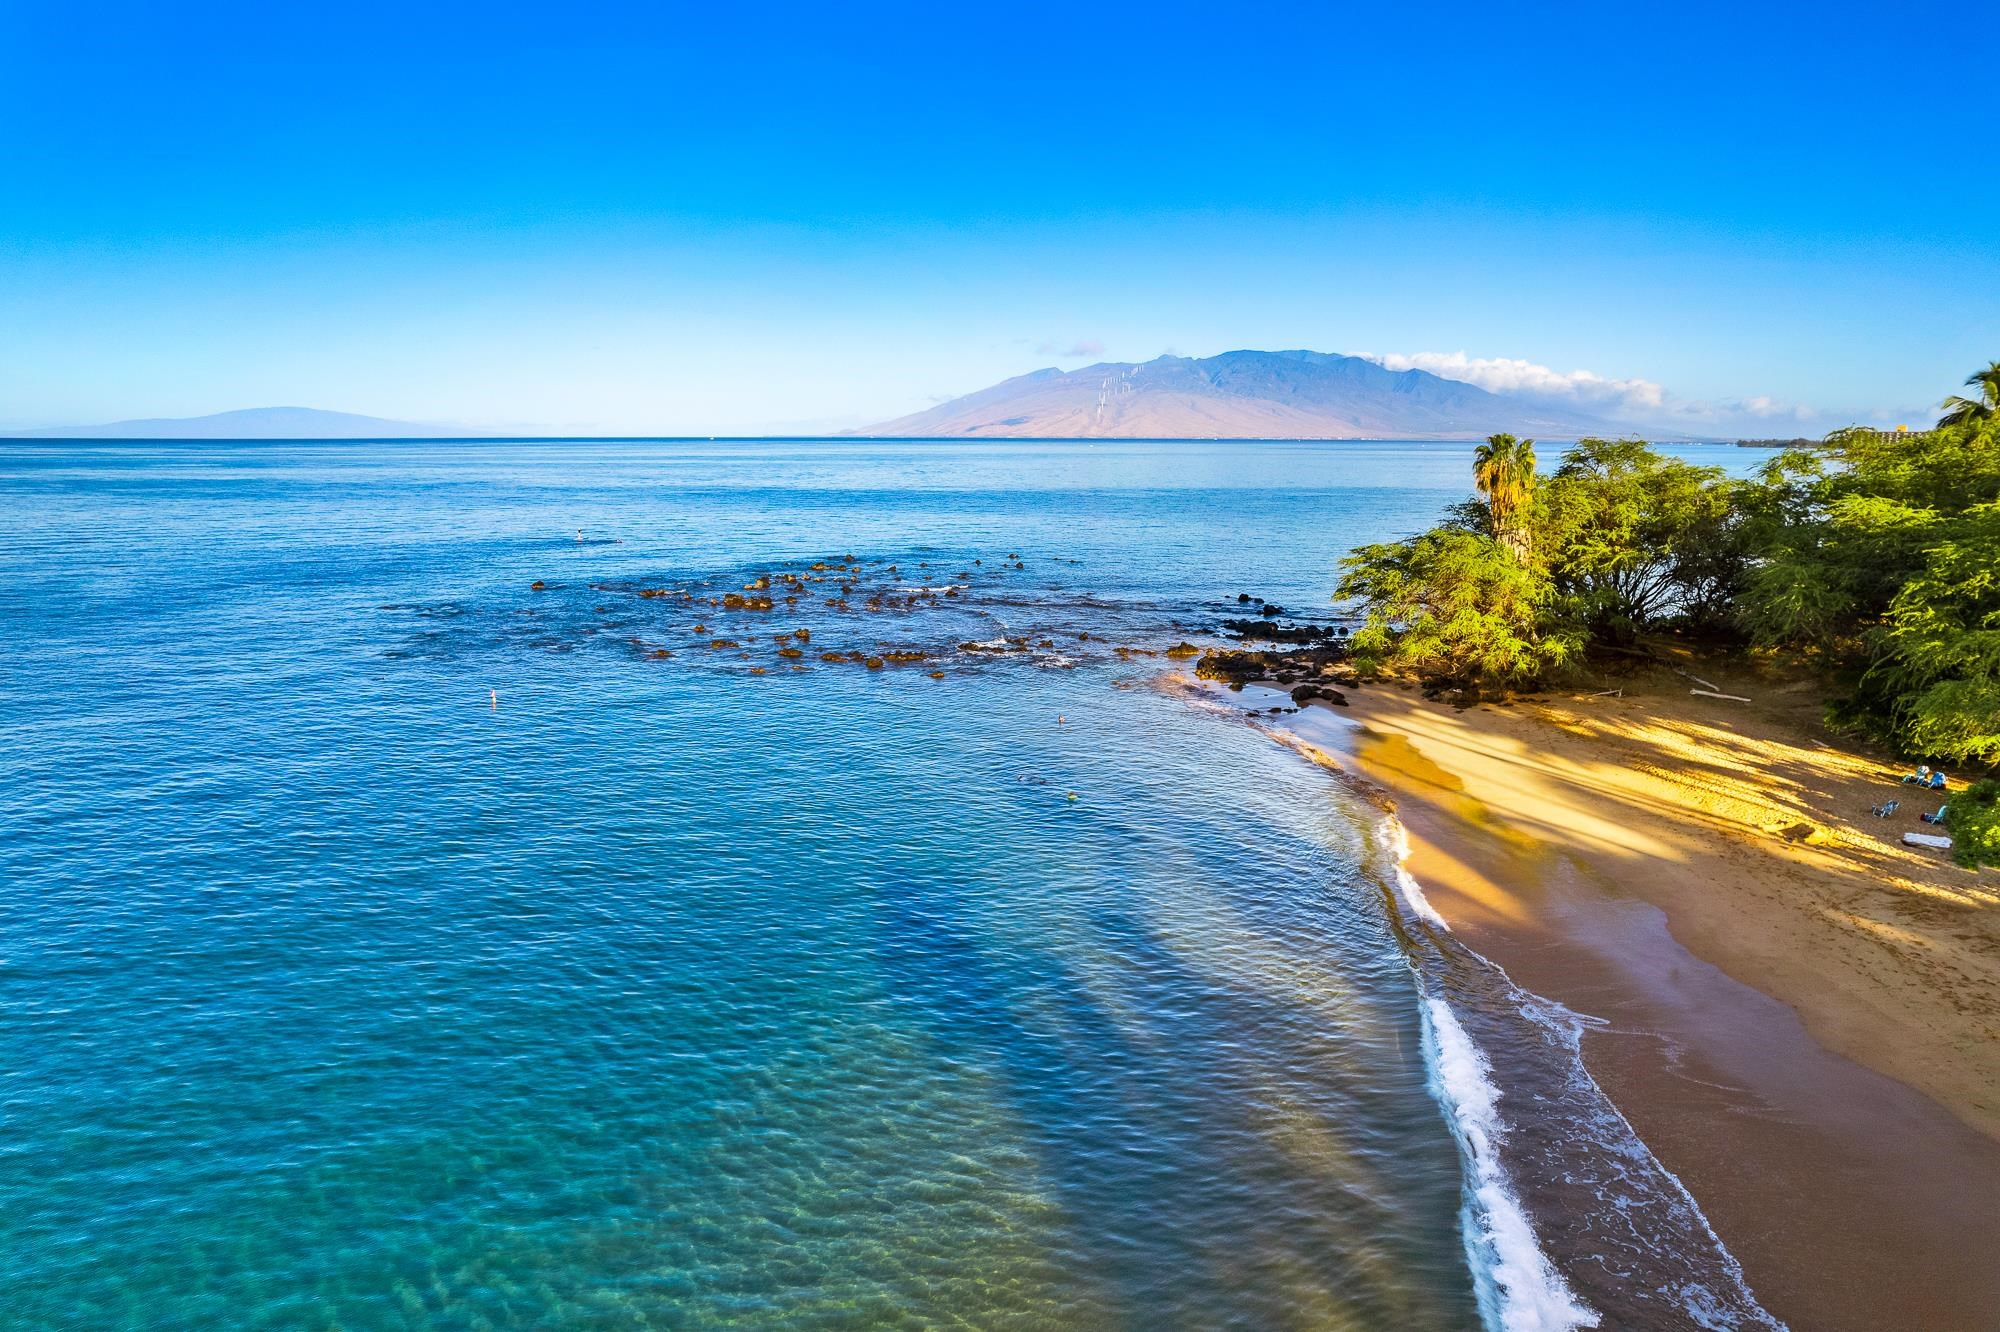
x=659 y=994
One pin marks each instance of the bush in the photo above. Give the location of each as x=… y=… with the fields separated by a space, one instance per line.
x=1972 y=817
x=1458 y=610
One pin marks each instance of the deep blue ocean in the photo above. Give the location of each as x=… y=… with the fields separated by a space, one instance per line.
x=389 y=943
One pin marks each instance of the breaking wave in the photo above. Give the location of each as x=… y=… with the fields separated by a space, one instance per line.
x=1569 y=1219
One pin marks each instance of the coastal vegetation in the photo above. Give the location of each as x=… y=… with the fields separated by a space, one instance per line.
x=1871 y=556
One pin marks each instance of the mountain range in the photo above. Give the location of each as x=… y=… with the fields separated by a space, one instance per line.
x=1243 y=395
x=256 y=423
x=1236 y=395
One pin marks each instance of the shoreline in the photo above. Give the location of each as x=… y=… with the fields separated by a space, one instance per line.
x=1798 y=1017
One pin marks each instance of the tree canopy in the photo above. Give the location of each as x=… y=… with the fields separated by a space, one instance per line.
x=1874 y=554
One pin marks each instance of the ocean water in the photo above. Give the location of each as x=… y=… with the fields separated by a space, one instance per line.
x=386 y=942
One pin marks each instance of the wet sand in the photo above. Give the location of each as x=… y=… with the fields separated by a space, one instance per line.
x=1802 y=1017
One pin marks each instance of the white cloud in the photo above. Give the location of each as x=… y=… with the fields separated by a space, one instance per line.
x=1641 y=403
x=1081 y=349
x=1499 y=374
x=1763 y=406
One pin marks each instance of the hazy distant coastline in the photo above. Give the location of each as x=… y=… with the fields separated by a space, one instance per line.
x=1239 y=395
x=256 y=423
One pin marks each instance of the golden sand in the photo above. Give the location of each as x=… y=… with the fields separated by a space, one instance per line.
x=1803 y=1016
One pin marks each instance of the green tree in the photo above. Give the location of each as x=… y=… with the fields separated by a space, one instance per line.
x=1503 y=470
x=1934 y=668
x=1879 y=551
x=1457 y=608
x=1637 y=540
x=1984 y=407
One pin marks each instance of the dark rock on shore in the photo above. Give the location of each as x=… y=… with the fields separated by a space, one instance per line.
x=1241 y=666
x=1264 y=631
x=1233 y=666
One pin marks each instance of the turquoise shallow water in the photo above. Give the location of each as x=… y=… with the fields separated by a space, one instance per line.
x=334 y=993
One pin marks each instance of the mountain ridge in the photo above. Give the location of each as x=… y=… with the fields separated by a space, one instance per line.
x=1247 y=394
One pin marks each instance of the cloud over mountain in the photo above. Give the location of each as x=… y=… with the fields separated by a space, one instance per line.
x=1635 y=404
x=1499 y=374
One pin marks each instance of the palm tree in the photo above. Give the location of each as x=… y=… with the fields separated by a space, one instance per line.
x=1960 y=411
x=1504 y=470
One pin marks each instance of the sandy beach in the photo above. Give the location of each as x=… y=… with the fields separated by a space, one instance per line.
x=1802 y=1016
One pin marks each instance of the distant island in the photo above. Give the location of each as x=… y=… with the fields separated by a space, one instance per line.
x=1242 y=395
x=256 y=423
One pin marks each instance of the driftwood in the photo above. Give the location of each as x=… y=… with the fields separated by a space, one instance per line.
x=1690 y=675
x=1614 y=693
x=1710 y=693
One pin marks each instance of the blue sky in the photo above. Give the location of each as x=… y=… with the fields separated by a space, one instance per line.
x=629 y=218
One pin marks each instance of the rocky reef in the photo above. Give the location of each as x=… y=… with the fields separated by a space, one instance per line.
x=885 y=615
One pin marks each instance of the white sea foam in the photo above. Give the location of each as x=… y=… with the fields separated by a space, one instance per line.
x=1519 y=1289
x=1396 y=841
